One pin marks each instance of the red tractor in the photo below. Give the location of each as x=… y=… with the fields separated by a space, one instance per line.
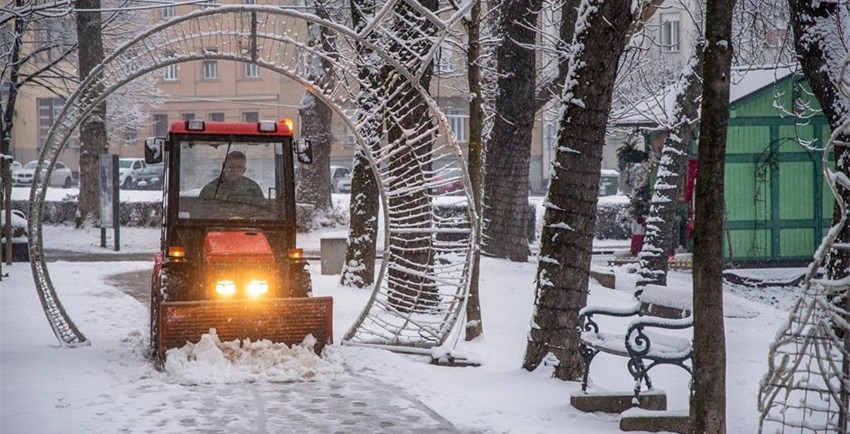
x=228 y=259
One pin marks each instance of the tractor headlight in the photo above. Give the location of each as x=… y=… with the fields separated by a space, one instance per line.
x=225 y=287
x=257 y=288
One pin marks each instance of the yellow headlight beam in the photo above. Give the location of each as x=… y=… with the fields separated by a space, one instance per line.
x=225 y=287
x=257 y=288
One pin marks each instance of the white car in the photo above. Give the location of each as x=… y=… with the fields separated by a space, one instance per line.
x=128 y=169
x=337 y=174
x=344 y=184
x=16 y=165
x=61 y=176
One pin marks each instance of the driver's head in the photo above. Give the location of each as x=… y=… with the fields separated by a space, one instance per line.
x=234 y=166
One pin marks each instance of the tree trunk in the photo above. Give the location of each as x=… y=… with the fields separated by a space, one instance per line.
x=314 y=180
x=509 y=148
x=815 y=49
x=474 y=325
x=661 y=228
x=6 y=123
x=93 y=138
x=359 y=267
x=410 y=289
x=708 y=394
x=314 y=183
x=570 y=216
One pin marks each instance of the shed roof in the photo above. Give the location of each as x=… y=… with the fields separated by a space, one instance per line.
x=745 y=81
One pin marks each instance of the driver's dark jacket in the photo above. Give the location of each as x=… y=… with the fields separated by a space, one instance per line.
x=242 y=190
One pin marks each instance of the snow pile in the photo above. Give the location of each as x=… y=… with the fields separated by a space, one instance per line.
x=211 y=361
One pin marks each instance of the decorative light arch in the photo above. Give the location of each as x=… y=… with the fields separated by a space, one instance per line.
x=274 y=38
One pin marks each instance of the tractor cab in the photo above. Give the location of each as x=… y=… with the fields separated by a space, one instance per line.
x=228 y=258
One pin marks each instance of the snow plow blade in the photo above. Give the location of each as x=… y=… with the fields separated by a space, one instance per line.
x=283 y=320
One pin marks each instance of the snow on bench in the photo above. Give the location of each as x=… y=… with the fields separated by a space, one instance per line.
x=646 y=340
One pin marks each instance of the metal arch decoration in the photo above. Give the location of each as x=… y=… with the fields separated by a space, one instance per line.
x=807 y=386
x=273 y=38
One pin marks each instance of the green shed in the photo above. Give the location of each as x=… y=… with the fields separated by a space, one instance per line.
x=777 y=205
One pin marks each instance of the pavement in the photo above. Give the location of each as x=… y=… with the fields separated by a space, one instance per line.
x=352 y=403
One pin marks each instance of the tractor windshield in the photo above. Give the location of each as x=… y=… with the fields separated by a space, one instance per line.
x=228 y=181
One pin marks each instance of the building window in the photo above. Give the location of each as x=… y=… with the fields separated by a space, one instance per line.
x=457 y=122
x=249 y=2
x=160 y=125
x=209 y=4
x=670 y=28
x=216 y=117
x=776 y=37
x=169 y=73
x=251 y=70
x=250 y=117
x=169 y=11
x=443 y=61
x=187 y=116
x=210 y=69
x=550 y=135
x=48 y=111
x=130 y=137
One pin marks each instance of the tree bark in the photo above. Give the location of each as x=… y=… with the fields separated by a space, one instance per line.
x=672 y=175
x=8 y=113
x=474 y=325
x=570 y=216
x=359 y=267
x=708 y=394
x=314 y=183
x=410 y=289
x=93 y=138
x=509 y=149
x=813 y=24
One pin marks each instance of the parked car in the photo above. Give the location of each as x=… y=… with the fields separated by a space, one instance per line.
x=150 y=178
x=128 y=169
x=61 y=176
x=337 y=174
x=344 y=184
x=447 y=181
x=16 y=165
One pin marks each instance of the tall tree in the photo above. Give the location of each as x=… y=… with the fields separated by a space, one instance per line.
x=314 y=183
x=570 y=216
x=359 y=267
x=818 y=27
x=506 y=182
x=409 y=128
x=474 y=325
x=93 y=138
x=708 y=394
x=672 y=174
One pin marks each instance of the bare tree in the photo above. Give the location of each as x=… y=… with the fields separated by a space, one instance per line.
x=708 y=393
x=359 y=267
x=818 y=27
x=412 y=291
x=93 y=139
x=672 y=174
x=570 y=216
x=314 y=186
x=508 y=149
x=474 y=326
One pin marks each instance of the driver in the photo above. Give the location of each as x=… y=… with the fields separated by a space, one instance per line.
x=231 y=186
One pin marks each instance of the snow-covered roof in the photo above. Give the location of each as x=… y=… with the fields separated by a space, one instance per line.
x=745 y=81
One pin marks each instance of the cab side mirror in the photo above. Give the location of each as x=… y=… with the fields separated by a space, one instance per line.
x=304 y=150
x=153 y=149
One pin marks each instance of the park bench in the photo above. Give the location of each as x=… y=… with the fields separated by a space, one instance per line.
x=679 y=263
x=646 y=342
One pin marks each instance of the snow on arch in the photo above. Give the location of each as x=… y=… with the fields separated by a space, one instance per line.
x=432 y=294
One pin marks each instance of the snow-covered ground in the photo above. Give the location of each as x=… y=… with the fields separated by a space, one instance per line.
x=110 y=387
